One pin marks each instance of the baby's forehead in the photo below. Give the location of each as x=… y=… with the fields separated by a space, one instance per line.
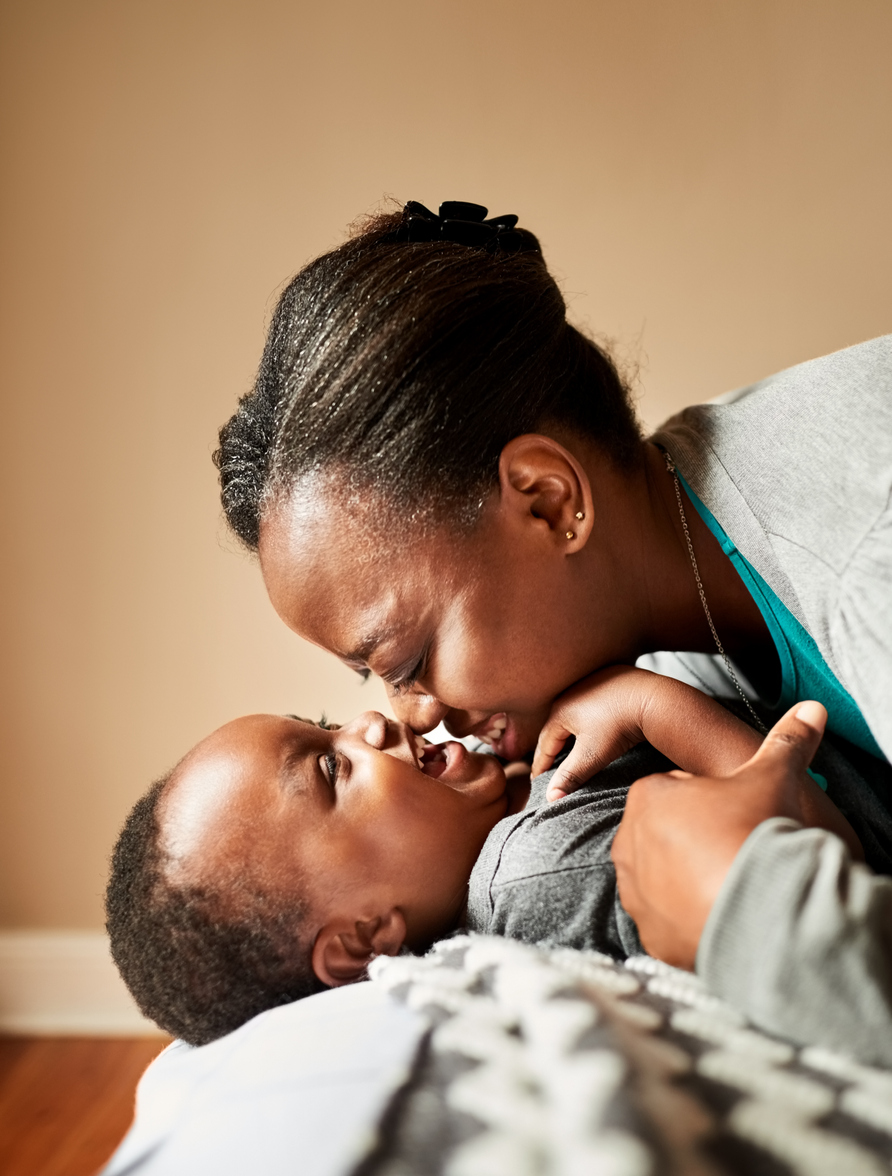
x=225 y=773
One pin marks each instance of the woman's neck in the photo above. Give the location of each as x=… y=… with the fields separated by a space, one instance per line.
x=669 y=614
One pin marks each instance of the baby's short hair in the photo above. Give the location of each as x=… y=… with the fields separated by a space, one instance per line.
x=199 y=961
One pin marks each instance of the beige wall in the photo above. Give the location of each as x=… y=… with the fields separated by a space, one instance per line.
x=711 y=178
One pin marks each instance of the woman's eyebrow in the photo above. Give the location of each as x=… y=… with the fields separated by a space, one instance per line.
x=367 y=646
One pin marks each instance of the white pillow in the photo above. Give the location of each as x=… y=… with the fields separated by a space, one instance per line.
x=299 y=1088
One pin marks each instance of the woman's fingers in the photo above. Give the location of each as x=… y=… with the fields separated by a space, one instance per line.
x=813 y=714
x=680 y=833
x=790 y=745
x=674 y=846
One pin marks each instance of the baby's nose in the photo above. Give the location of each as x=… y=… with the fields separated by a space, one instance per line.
x=371 y=726
x=385 y=735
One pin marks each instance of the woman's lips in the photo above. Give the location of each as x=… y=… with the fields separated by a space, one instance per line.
x=500 y=733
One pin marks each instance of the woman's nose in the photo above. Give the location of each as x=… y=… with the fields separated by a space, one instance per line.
x=422 y=712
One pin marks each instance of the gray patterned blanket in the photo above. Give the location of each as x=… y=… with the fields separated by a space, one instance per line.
x=556 y=1061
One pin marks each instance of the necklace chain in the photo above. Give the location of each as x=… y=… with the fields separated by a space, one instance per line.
x=670 y=466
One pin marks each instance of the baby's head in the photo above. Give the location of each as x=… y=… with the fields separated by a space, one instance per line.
x=280 y=857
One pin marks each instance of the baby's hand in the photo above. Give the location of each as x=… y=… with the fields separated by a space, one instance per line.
x=604 y=712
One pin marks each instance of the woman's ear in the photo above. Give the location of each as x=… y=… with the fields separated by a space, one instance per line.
x=542 y=482
x=344 y=948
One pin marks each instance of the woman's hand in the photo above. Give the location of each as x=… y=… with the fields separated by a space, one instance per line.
x=680 y=833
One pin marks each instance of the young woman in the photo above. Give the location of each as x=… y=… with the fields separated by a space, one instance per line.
x=447 y=487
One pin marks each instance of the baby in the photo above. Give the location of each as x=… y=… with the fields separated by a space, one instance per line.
x=280 y=856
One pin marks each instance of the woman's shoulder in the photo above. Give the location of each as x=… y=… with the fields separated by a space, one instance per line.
x=843 y=391
x=800 y=460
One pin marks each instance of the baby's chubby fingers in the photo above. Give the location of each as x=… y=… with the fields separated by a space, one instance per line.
x=601 y=711
x=584 y=761
x=597 y=744
x=551 y=740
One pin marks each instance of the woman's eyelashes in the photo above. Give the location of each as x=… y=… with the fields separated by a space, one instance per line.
x=405 y=676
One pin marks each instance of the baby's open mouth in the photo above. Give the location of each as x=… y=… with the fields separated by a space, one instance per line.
x=433 y=760
x=439 y=759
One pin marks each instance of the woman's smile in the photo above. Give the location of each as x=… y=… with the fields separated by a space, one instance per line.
x=492 y=729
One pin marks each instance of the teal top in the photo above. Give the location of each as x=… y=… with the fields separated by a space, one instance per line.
x=804 y=673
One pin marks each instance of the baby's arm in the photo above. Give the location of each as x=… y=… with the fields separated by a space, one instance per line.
x=611 y=711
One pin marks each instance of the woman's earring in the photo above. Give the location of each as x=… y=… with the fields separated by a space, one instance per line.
x=580 y=514
x=571 y=534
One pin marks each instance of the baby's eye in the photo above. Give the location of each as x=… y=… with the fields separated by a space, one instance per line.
x=331 y=767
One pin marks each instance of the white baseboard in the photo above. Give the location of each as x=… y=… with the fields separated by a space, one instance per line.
x=64 y=983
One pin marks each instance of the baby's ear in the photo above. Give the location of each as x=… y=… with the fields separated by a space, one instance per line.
x=344 y=948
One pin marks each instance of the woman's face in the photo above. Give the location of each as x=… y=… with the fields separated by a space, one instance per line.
x=474 y=631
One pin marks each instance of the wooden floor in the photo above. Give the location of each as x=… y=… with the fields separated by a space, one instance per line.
x=66 y=1102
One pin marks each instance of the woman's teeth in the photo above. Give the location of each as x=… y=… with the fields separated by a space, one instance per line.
x=496 y=729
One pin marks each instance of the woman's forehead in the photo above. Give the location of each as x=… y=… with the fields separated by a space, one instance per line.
x=328 y=586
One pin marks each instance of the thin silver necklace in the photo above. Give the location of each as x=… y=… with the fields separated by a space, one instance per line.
x=670 y=466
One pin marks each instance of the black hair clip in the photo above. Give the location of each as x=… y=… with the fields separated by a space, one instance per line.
x=465 y=224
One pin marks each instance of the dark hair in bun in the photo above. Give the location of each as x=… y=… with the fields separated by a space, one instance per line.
x=407 y=365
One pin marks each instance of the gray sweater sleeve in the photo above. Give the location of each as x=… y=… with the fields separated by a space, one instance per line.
x=861 y=626
x=800 y=939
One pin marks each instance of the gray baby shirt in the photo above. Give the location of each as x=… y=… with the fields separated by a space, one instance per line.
x=545 y=875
